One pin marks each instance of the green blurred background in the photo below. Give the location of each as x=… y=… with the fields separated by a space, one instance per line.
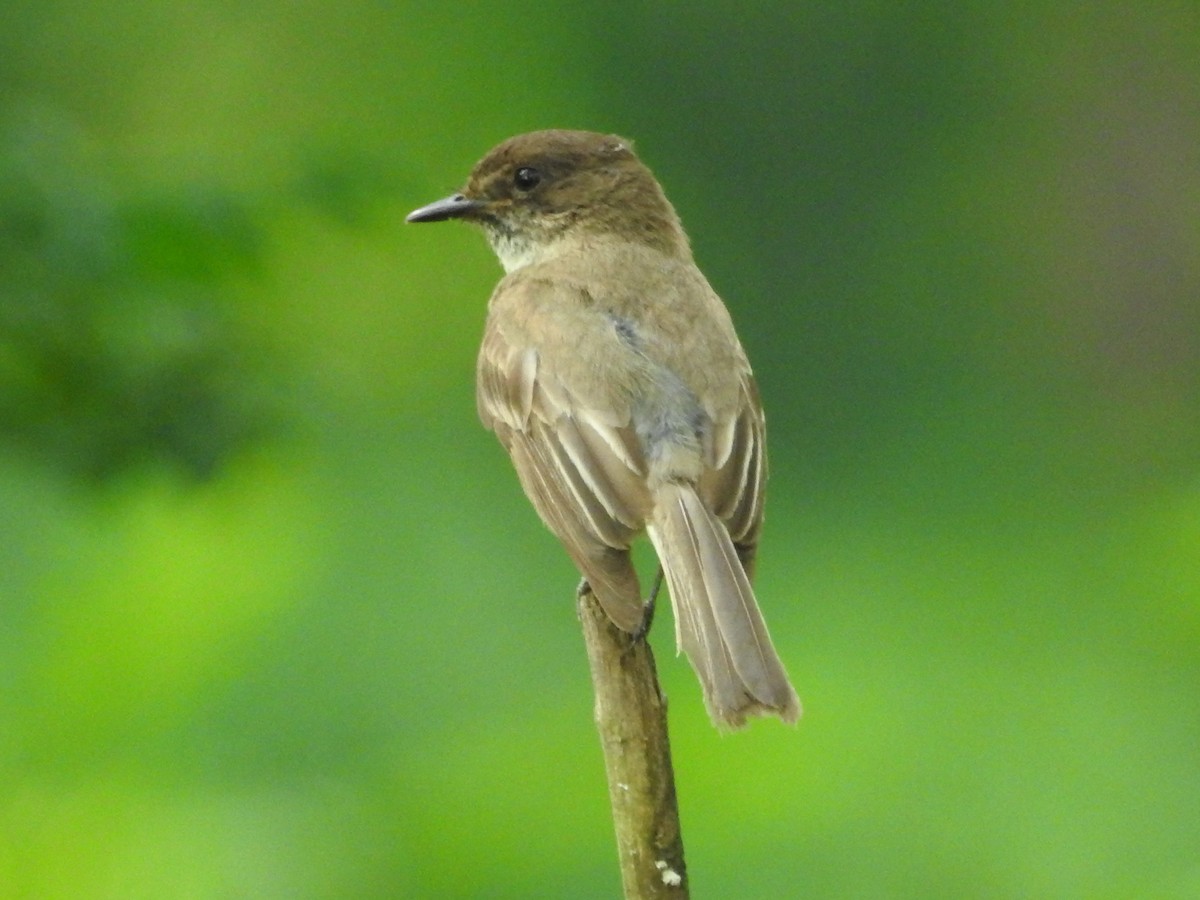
x=277 y=620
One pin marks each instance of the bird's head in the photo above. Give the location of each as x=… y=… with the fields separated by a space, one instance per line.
x=536 y=190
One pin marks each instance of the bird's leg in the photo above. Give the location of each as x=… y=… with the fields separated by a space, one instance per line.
x=648 y=608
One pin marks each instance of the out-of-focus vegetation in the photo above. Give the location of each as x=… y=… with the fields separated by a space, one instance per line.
x=277 y=621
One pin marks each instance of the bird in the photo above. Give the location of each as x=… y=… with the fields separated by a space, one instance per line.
x=611 y=372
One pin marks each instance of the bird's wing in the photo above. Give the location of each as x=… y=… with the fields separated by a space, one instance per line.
x=735 y=480
x=577 y=457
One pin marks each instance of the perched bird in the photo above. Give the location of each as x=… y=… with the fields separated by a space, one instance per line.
x=611 y=372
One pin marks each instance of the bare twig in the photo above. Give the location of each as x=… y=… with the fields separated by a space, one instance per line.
x=631 y=716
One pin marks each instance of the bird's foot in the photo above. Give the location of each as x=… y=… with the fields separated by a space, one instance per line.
x=648 y=608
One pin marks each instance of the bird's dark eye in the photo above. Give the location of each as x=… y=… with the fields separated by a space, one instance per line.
x=526 y=178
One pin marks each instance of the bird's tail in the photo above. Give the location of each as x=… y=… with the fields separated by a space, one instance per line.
x=717 y=620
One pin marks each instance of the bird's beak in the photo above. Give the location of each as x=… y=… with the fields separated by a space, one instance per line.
x=453 y=207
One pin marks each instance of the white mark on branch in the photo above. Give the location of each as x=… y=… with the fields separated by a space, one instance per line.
x=669 y=876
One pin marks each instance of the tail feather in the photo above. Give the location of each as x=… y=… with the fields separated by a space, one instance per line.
x=718 y=623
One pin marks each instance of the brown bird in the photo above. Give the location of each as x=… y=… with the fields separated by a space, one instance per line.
x=611 y=372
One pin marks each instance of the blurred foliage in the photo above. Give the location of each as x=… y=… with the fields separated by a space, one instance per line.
x=114 y=346
x=278 y=622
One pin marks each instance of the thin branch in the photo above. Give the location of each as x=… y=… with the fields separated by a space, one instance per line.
x=631 y=716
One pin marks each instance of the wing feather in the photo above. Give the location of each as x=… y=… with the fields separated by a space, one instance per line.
x=582 y=467
x=733 y=488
